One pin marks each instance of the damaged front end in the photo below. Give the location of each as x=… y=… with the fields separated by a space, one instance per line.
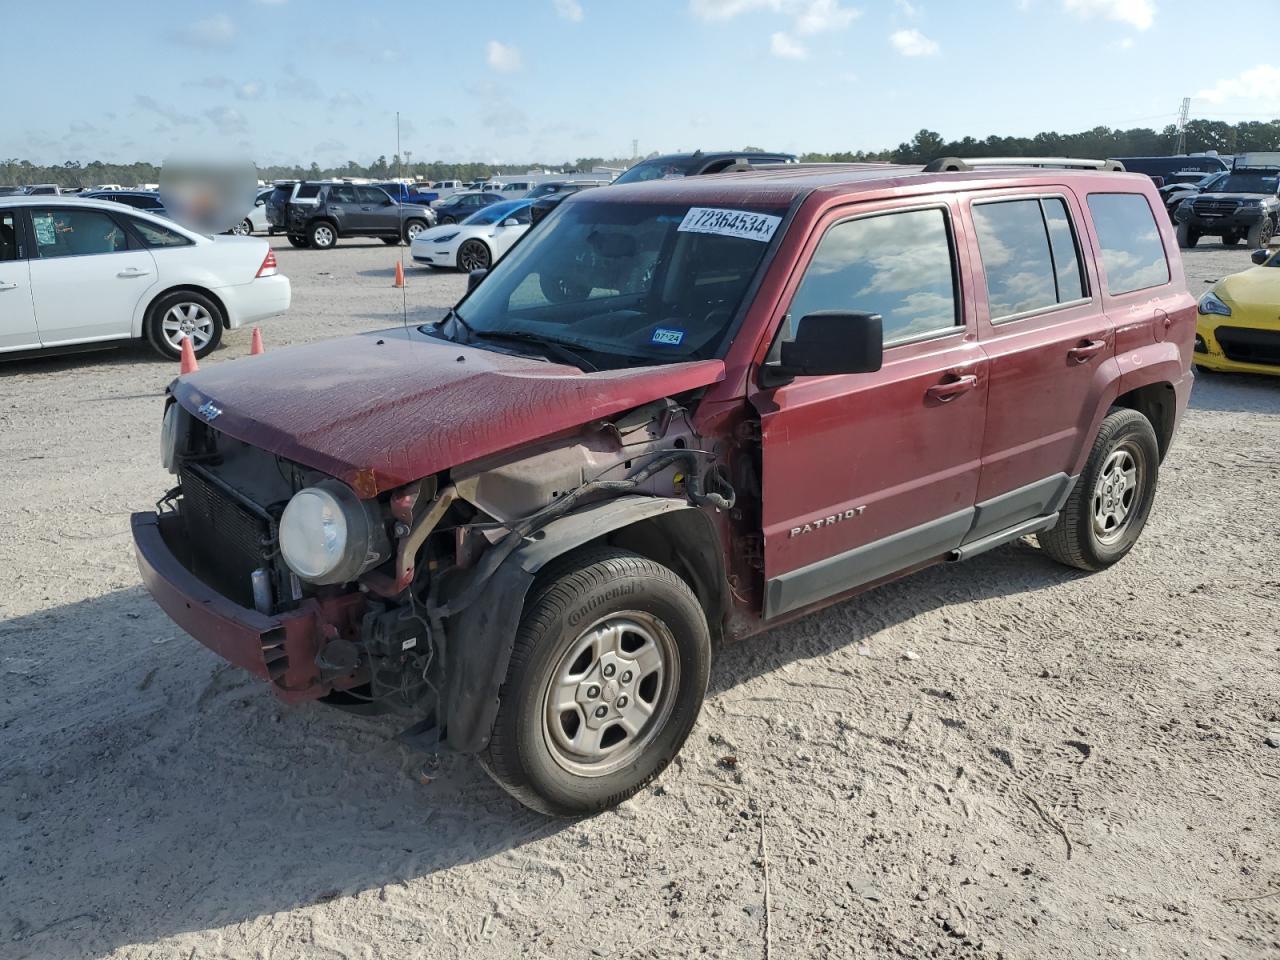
x=408 y=601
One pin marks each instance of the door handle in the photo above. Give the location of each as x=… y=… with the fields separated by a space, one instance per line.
x=1082 y=353
x=948 y=391
x=133 y=272
x=8 y=286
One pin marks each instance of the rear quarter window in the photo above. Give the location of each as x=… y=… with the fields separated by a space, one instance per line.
x=1132 y=253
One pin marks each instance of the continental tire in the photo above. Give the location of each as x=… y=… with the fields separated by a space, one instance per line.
x=1110 y=503
x=606 y=679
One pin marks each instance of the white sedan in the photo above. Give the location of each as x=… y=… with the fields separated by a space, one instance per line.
x=478 y=242
x=256 y=220
x=76 y=274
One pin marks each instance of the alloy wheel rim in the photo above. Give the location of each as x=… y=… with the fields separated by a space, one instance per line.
x=184 y=320
x=323 y=236
x=471 y=257
x=610 y=694
x=242 y=229
x=1116 y=494
x=413 y=231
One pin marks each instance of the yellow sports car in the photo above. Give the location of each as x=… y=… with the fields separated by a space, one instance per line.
x=1238 y=326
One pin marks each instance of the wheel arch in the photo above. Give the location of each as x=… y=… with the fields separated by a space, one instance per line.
x=481 y=637
x=141 y=325
x=1158 y=403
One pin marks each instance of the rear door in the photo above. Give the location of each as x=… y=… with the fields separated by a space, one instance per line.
x=342 y=204
x=18 y=329
x=88 y=275
x=1050 y=346
x=869 y=474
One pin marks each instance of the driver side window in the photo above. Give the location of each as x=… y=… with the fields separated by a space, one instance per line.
x=900 y=265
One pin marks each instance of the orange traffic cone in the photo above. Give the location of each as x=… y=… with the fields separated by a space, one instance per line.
x=399 y=275
x=255 y=345
x=189 y=364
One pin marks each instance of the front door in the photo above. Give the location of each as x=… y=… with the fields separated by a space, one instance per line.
x=17 y=314
x=377 y=213
x=1049 y=344
x=866 y=475
x=87 y=275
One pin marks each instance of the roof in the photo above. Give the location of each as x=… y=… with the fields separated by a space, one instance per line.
x=782 y=184
x=60 y=200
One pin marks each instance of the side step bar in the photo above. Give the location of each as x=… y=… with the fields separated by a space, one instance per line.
x=1034 y=525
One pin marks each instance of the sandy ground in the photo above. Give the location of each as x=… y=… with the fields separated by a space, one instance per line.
x=997 y=759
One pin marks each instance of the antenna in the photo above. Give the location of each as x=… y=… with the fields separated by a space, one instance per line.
x=1182 y=126
x=404 y=287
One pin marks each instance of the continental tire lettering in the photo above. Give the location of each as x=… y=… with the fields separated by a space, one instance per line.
x=612 y=593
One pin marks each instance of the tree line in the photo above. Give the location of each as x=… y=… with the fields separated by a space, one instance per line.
x=1100 y=143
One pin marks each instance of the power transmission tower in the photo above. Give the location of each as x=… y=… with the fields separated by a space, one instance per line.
x=1182 y=126
x=635 y=149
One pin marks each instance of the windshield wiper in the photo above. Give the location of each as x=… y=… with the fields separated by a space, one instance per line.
x=553 y=348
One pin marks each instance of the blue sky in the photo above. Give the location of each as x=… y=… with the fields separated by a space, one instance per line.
x=511 y=80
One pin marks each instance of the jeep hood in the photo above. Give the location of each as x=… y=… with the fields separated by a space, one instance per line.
x=380 y=410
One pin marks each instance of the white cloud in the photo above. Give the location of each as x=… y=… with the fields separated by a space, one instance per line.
x=1256 y=83
x=216 y=32
x=913 y=43
x=570 y=10
x=823 y=16
x=252 y=90
x=1137 y=13
x=785 y=46
x=503 y=58
x=728 y=9
x=228 y=120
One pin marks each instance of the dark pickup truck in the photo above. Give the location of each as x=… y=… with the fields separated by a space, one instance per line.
x=1243 y=205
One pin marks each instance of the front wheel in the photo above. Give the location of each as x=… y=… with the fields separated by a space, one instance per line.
x=180 y=315
x=1187 y=237
x=604 y=684
x=1112 y=499
x=473 y=255
x=244 y=228
x=391 y=241
x=1260 y=234
x=412 y=229
x=296 y=240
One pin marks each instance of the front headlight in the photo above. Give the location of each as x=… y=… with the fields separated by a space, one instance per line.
x=169 y=438
x=1211 y=303
x=445 y=239
x=328 y=535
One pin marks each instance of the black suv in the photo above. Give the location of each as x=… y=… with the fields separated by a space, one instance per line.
x=696 y=163
x=1243 y=205
x=318 y=214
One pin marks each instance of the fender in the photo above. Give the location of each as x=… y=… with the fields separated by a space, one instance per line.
x=1106 y=388
x=1151 y=363
x=480 y=638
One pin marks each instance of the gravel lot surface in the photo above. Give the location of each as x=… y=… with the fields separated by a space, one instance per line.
x=996 y=759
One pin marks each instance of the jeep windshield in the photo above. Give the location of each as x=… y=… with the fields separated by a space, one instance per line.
x=622 y=283
x=1247 y=183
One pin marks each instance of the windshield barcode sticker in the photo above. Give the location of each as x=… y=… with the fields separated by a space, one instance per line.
x=730 y=223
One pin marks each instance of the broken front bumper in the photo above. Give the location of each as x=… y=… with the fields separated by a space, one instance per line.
x=281 y=649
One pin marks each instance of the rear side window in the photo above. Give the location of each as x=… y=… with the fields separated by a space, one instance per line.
x=308 y=191
x=899 y=265
x=1133 y=256
x=1028 y=254
x=154 y=235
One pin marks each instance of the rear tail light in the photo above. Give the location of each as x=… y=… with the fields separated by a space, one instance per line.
x=268 y=268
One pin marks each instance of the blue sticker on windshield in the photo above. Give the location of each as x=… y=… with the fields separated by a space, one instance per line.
x=668 y=338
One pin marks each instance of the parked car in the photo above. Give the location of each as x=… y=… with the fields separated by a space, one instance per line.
x=1169 y=170
x=77 y=274
x=459 y=206
x=11 y=191
x=694 y=164
x=403 y=193
x=146 y=200
x=43 y=190
x=286 y=193
x=1243 y=205
x=1172 y=194
x=552 y=187
x=352 y=210
x=1238 y=329
x=256 y=220
x=528 y=526
x=478 y=242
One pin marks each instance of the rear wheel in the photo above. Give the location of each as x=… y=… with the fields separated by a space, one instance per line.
x=323 y=235
x=473 y=255
x=1111 y=500
x=297 y=241
x=243 y=229
x=182 y=314
x=391 y=241
x=605 y=681
x=1260 y=233
x=1187 y=236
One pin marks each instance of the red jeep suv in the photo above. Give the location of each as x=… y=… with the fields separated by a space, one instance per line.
x=676 y=414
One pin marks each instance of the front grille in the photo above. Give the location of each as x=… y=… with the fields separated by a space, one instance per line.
x=1249 y=346
x=1216 y=208
x=228 y=537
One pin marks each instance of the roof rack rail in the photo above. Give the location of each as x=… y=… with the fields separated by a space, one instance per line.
x=958 y=165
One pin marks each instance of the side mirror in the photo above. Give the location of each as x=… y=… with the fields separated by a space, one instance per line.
x=1261 y=256
x=511 y=222
x=832 y=342
x=474 y=278
x=259 y=203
